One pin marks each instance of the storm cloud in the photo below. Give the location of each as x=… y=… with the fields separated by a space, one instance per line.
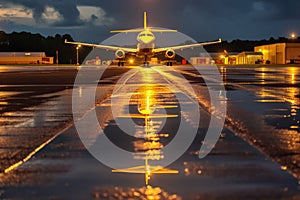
x=90 y=20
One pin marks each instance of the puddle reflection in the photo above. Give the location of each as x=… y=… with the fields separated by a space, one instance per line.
x=147 y=192
x=289 y=78
x=149 y=148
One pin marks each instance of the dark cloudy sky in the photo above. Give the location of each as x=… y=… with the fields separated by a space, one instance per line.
x=91 y=20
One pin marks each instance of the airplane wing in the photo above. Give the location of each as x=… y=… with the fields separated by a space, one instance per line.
x=100 y=46
x=186 y=46
x=127 y=31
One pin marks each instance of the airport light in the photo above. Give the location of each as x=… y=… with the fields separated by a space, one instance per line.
x=293 y=35
x=77 y=54
x=131 y=61
x=56 y=52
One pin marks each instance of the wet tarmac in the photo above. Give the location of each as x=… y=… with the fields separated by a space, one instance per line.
x=263 y=108
x=35 y=105
x=256 y=157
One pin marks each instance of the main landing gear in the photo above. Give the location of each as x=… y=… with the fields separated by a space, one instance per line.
x=169 y=63
x=121 y=63
x=146 y=63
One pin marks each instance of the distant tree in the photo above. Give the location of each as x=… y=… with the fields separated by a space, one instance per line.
x=272 y=39
x=245 y=45
x=28 y=42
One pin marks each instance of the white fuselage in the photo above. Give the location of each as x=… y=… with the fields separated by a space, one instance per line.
x=146 y=43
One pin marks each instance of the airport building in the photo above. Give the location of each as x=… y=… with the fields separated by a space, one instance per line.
x=25 y=58
x=201 y=60
x=244 y=58
x=230 y=59
x=249 y=58
x=280 y=53
x=208 y=59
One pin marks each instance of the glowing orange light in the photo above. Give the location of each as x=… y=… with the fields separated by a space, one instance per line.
x=146 y=106
x=293 y=36
x=131 y=61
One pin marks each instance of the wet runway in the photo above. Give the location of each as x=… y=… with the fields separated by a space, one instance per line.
x=256 y=157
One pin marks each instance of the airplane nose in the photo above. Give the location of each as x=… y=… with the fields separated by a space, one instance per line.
x=146 y=39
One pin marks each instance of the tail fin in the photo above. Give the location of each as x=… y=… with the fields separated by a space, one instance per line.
x=145 y=20
x=134 y=30
x=155 y=30
x=145 y=28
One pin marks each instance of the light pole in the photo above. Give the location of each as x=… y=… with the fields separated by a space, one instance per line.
x=77 y=54
x=57 y=57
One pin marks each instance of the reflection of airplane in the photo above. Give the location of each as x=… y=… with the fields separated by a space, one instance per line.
x=150 y=148
x=147 y=170
x=145 y=44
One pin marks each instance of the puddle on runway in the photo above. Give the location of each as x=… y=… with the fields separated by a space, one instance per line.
x=146 y=112
x=156 y=112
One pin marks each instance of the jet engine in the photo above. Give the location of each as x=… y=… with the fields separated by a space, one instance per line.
x=120 y=54
x=170 y=53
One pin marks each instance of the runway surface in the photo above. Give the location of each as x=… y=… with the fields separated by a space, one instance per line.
x=256 y=157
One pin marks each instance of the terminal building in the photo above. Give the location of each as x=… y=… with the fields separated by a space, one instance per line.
x=25 y=58
x=280 y=53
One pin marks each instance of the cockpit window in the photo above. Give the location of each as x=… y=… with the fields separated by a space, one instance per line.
x=144 y=34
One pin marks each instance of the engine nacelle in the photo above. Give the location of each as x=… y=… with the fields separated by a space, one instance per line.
x=170 y=54
x=120 y=54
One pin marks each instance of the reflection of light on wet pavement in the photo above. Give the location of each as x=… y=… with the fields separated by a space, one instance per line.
x=276 y=106
x=289 y=95
x=234 y=170
x=293 y=79
x=150 y=100
x=293 y=71
x=25 y=132
x=149 y=193
x=288 y=76
x=264 y=109
x=286 y=95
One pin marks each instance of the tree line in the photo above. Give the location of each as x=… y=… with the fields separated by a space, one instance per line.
x=247 y=45
x=28 y=42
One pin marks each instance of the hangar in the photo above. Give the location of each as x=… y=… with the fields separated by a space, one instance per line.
x=25 y=58
x=280 y=53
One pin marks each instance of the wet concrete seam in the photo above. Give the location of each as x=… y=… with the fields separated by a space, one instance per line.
x=39 y=148
x=36 y=150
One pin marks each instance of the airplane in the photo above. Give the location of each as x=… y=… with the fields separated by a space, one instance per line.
x=145 y=44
